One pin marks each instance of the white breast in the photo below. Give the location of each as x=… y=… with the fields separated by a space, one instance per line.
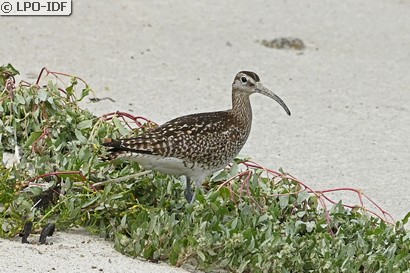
x=173 y=166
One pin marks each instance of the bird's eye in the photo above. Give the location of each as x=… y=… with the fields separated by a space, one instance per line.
x=243 y=80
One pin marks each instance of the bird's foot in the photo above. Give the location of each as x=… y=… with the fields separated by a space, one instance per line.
x=189 y=193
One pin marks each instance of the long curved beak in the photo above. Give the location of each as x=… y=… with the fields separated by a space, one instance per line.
x=265 y=91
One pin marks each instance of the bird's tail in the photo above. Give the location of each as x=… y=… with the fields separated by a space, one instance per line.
x=114 y=151
x=117 y=149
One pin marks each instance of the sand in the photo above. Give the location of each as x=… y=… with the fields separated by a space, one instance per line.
x=349 y=90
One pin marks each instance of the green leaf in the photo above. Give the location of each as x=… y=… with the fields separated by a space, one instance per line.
x=283 y=201
x=124 y=221
x=243 y=265
x=234 y=223
x=302 y=196
x=406 y=237
x=251 y=245
x=34 y=136
x=84 y=93
x=85 y=124
x=70 y=91
x=173 y=257
x=80 y=136
x=6 y=72
x=310 y=226
x=20 y=99
x=406 y=218
x=220 y=176
x=263 y=218
x=234 y=169
x=42 y=95
x=201 y=254
x=12 y=70
x=36 y=190
x=119 y=126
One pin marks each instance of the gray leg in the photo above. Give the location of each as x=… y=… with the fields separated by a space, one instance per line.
x=189 y=193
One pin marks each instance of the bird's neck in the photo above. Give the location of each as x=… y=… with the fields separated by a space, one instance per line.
x=241 y=108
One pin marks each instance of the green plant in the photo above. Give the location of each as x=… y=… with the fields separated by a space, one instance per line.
x=248 y=219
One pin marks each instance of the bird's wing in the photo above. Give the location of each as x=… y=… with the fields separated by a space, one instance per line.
x=176 y=137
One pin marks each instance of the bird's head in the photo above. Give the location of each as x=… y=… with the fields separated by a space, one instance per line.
x=248 y=82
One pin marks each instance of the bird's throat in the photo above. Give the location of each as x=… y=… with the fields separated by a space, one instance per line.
x=241 y=109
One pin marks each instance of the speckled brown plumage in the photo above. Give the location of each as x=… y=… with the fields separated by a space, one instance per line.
x=199 y=144
x=208 y=139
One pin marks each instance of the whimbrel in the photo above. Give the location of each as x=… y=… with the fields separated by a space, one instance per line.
x=197 y=145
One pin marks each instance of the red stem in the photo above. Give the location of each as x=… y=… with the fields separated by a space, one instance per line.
x=322 y=197
x=135 y=119
x=57 y=174
x=55 y=74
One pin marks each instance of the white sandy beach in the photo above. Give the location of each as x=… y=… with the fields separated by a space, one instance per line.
x=348 y=91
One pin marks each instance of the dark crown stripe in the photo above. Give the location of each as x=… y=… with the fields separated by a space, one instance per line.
x=253 y=75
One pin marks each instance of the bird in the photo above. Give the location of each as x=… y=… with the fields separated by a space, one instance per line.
x=196 y=145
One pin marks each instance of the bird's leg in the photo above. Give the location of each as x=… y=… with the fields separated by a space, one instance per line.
x=189 y=194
